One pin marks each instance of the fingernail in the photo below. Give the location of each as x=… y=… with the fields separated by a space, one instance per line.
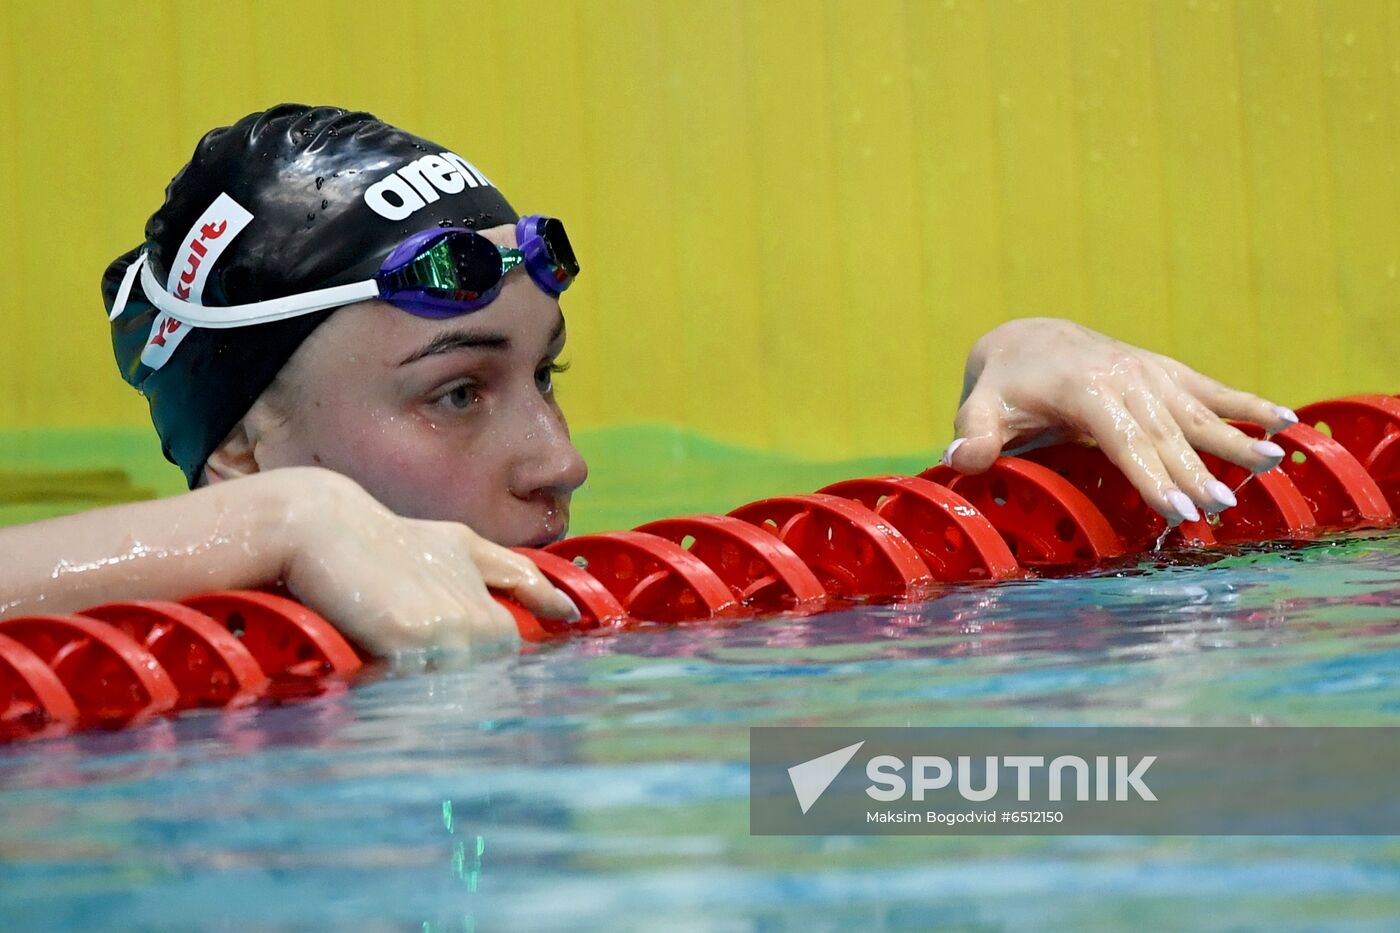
x=1183 y=505
x=948 y=453
x=1286 y=414
x=1222 y=494
x=1267 y=449
x=574 y=615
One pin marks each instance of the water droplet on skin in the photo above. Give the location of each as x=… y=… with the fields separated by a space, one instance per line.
x=325 y=204
x=319 y=182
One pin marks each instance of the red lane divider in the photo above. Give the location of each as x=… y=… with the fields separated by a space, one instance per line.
x=1384 y=467
x=1360 y=423
x=110 y=677
x=1270 y=506
x=955 y=541
x=1337 y=488
x=1139 y=525
x=32 y=698
x=853 y=551
x=532 y=628
x=210 y=667
x=597 y=607
x=655 y=580
x=296 y=648
x=762 y=572
x=1046 y=521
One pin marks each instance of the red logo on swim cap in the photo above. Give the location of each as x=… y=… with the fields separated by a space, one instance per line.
x=197 y=252
x=163 y=329
x=207 y=238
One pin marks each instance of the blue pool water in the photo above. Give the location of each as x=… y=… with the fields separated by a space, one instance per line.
x=602 y=783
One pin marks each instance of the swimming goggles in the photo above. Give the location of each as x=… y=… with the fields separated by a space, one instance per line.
x=436 y=273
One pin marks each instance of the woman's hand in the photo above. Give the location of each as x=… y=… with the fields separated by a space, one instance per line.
x=1036 y=381
x=393 y=583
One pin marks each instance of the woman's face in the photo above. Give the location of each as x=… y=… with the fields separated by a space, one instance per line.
x=451 y=419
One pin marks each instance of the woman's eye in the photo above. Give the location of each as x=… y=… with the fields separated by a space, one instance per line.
x=459 y=397
x=544 y=376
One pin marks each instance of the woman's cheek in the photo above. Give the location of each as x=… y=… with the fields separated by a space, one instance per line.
x=374 y=451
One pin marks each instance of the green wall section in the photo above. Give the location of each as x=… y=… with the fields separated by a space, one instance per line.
x=48 y=472
x=642 y=473
x=637 y=473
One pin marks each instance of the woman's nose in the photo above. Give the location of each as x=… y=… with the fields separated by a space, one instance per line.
x=549 y=463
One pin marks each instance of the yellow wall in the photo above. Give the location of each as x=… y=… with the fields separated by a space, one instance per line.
x=794 y=216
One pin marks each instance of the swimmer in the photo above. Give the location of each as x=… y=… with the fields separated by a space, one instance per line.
x=348 y=338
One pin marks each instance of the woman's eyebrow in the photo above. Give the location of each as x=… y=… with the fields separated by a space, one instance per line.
x=473 y=340
x=458 y=340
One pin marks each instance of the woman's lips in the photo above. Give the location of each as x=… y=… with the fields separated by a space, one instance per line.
x=543 y=541
x=550 y=523
x=555 y=527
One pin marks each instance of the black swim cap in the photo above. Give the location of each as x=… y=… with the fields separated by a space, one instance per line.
x=284 y=201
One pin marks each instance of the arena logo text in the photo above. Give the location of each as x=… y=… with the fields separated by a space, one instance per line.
x=412 y=187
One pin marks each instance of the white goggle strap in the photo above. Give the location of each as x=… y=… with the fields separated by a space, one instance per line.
x=223 y=318
x=124 y=292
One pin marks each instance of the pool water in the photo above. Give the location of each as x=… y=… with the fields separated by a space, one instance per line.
x=603 y=783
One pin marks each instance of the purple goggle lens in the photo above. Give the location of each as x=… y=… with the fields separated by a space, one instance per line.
x=448 y=271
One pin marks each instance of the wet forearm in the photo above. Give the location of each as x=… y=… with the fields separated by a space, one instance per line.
x=227 y=535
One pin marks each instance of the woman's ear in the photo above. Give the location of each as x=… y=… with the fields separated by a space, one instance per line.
x=235 y=457
x=244 y=451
